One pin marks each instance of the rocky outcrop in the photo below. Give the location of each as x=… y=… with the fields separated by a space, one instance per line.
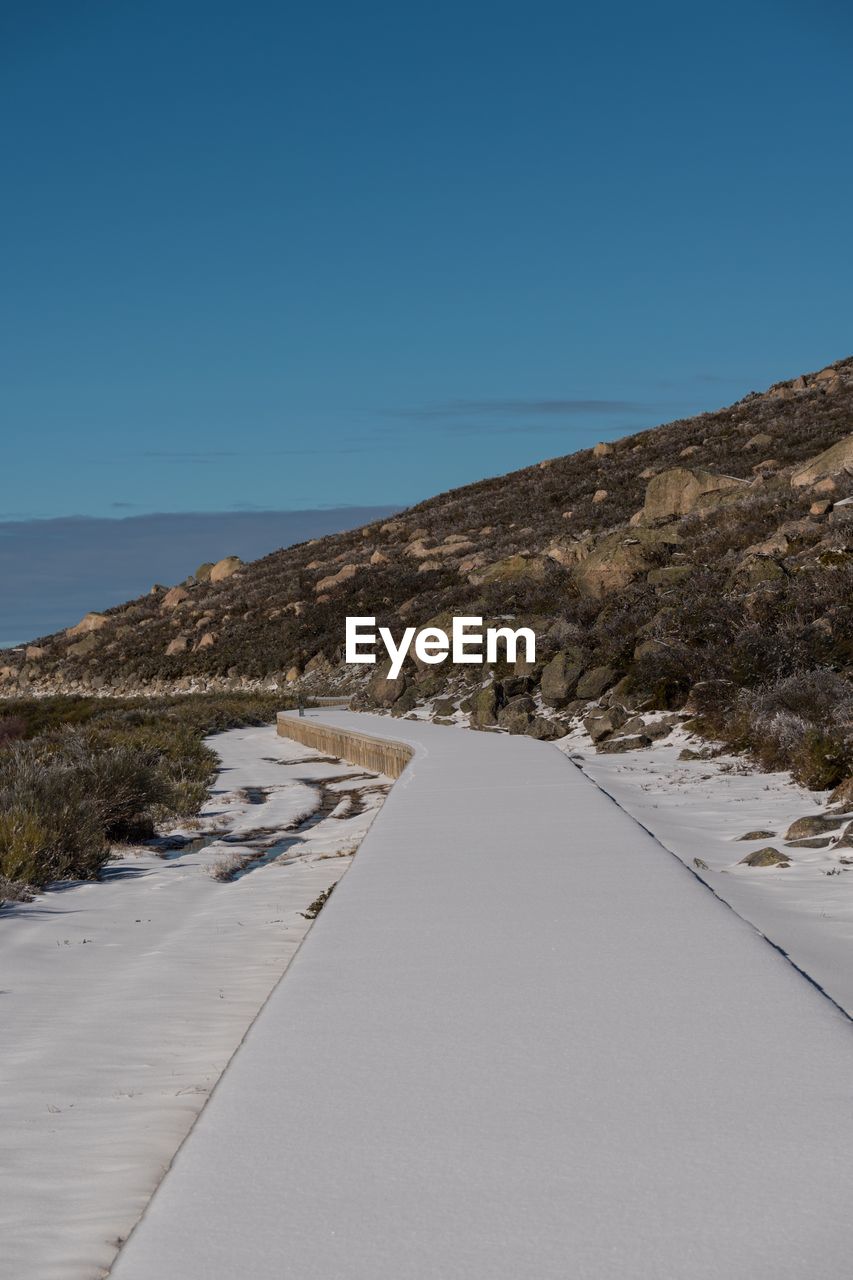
x=225 y=568
x=833 y=461
x=91 y=622
x=682 y=490
x=621 y=557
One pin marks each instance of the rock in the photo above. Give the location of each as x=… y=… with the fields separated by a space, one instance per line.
x=203 y=572
x=516 y=715
x=766 y=857
x=761 y=441
x=225 y=568
x=560 y=676
x=700 y=864
x=516 y=568
x=335 y=579
x=173 y=597
x=91 y=622
x=382 y=691
x=707 y=694
x=34 y=653
x=378 y=558
x=484 y=706
x=758 y=835
x=842 y=512
x=392 y=528
x=669 y=575
x=443 y=707
x=81 y=648
x=614 y=746
x=619 y=558
x=833 y=461
x=429 y=566
x=766 y=468
x=822 y=508
x=293 y=674
x=754 y=570
x=843 y=793
x=845 y=841
x=689 y=451
x=544 y=729
x=680 y=490
x=319 y=662
x=602 y=450
x=599 y=724
x=600 y=495
x=418 y=535
x=814 y=825
x=208 y=640
x=816 y=842
x=569 y=551
x=178 y=645
x=407 y=701
x=595 y=681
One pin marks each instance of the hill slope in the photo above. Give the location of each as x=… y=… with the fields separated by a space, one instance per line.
x=689 y=552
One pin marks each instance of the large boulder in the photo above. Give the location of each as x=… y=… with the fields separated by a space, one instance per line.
x=515 y=568
x=560 y=676
x=681 y=490
x=381 y=690
x=544 y=729
x=621 y=557
x=91 y=622
x=766 y=857
x=225 y=568
x=833 y=461
x=173 y=597
x=517 y=714
x=595 y=681
x=484 y=707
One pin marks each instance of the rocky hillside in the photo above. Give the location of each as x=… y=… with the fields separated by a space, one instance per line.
x=717 y=548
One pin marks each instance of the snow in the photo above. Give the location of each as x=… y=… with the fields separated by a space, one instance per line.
x=702 y=808
x=521 y=1040
x=122 y=1002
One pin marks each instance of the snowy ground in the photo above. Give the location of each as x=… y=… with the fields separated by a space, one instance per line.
x=122 y=1001
x=702 y=808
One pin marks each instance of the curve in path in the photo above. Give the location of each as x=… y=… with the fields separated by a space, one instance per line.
x=522 y=1041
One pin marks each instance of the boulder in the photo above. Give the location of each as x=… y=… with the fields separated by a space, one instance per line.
x=600 y=495
x=225 y=568
x=516 y=715
x=203 y=572
x=515 y=569
x=91 y=622
x=335 y=579
x=843 y=794
x=84 y=646
x=619 y=558
x=833 y=461
x=814 y=825
x=757 y=835
x=544 y=729
x=615 y=746
x=381 y=690
x=178 y=645
x=599 y=724
x=681 y=490
x=173 y=597
x=761 y=441
x=602 y=450
x=669 y=575
x=34 y=653
x=208 y=640
x=569 y=551
x=594 y=682
x=766 y=857
x=378 y=558
x=484 y=707
x=293 y=674
x=560 y=676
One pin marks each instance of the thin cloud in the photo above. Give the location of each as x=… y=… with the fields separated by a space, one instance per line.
x=546 y=408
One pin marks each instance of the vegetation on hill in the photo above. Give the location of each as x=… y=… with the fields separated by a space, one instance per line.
x=701 y=564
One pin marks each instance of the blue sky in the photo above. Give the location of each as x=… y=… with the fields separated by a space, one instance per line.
x=274 y=256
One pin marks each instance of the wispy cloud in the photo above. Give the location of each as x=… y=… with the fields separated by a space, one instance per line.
x=545 y=408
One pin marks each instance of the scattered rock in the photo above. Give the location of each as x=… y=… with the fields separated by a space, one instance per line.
x=601 y=723
x=757 y=835
x=178 y=645
x=173 y=597
x=680 y=490
x=814 y=825
x=378 y=558
x=208 y=640
x=595 y=681
x=335 y=579
x=766 y=857
x=225 y=568
x=90 y=622
x=838 y=458
x=613 y=746
x=600 y=495
x=602 y=450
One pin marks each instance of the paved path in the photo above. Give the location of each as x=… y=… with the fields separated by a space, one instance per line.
x=522 y=1042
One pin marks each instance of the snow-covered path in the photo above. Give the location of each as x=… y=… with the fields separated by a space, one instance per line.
x=522 y=1041
x=122 y=1001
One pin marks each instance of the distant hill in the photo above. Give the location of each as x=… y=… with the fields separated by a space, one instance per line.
x=698 y=550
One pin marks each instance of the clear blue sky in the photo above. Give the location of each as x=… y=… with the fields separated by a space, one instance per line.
x=273 y=255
